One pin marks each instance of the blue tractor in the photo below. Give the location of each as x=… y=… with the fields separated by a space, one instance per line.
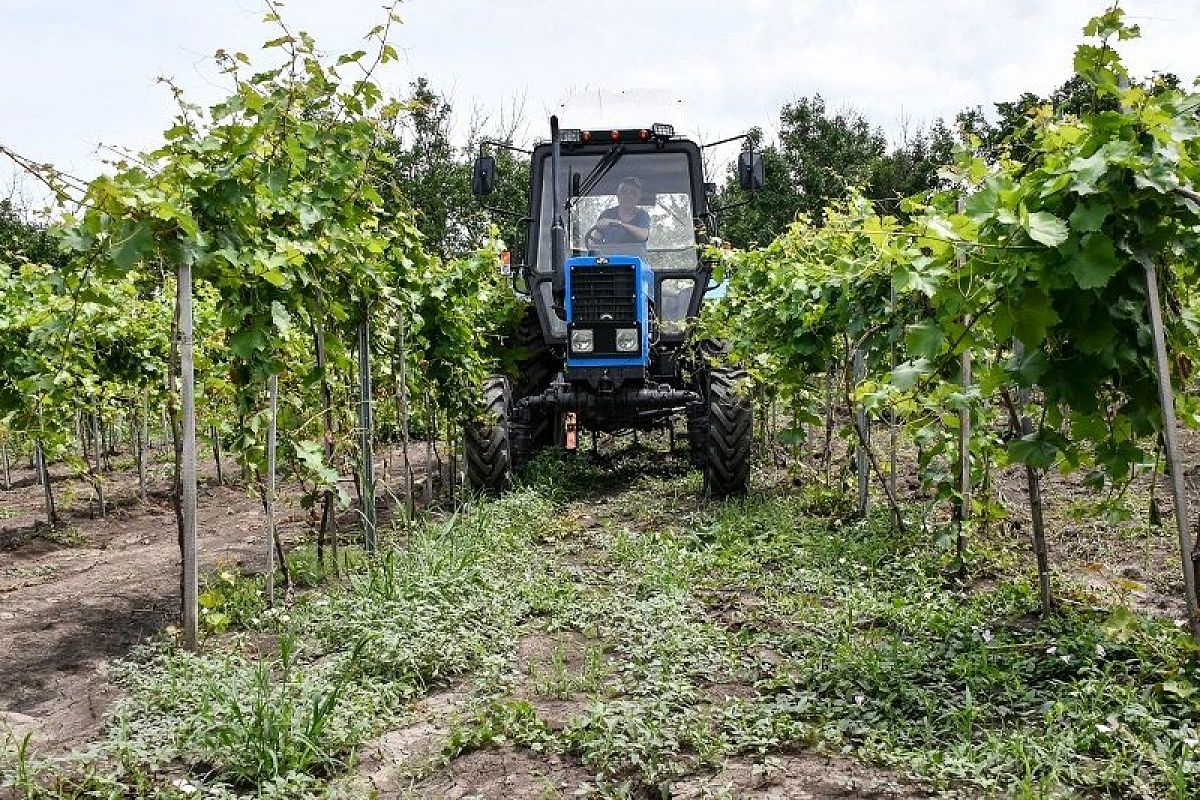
x=613 y=269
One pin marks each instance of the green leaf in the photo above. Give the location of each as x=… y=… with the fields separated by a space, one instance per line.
x=1046 y=228
x=1095 y=263
x=246 y=343
x=129 y=249
x=982 y=204
x=295 y=152
x=312 y=456
x=791 y=436
x=1088 y=171
x=280 y=317
x=1087 y=216
x=1158 y=177
x=1029 y=367
x=1180 y=688
x=1032 y=317
x=1034 y=451
x=906 y=375
x=924 y=339
x=1121 y=625
x=276 y=278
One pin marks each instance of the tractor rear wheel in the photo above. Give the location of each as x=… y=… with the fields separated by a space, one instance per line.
x=727 y=454
x=485 y=440
x=536 y=366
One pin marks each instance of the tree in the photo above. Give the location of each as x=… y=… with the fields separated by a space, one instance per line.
x=826 y=153
x=25 y=241
x=911 y=167
x=432 y=176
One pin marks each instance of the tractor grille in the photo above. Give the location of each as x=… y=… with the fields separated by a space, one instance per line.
x=603 y=294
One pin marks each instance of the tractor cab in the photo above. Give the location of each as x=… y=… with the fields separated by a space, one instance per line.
x=613 y=268
x=666 y=175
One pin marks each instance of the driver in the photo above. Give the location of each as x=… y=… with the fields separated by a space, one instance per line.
x=624 y=223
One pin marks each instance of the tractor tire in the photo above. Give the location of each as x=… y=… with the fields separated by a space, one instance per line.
x=536 y=367
x=730 y=423
x=485 y=441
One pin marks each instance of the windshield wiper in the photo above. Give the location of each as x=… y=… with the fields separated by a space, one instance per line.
x=602 y=168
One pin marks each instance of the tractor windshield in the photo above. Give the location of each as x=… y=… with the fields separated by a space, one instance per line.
x=660 y=205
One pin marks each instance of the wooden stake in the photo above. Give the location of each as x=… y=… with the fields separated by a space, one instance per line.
x=327 y=517
x=269 y=500
x=187 y=374
x=1021 y=424
x=367 y=482
x=893 y=422
x=860 y=454
x=400 y=367
x=964 y=458
x=98 y=441
x=427 y=489
x=39 y=457
x=4 y=458
x=143 y=443
x=829 y=425
x=216 y=448
x=1171 y=446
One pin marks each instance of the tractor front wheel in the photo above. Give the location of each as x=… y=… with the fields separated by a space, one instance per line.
x=727 y=454
x=485 y=440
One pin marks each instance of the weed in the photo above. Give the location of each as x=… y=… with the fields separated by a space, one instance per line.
x=230 y=598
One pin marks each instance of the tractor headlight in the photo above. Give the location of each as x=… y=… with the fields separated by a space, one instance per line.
x=582 y=340
x=627 y=340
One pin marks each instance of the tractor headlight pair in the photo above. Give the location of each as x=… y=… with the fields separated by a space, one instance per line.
x=627 y=340
x=583 y=340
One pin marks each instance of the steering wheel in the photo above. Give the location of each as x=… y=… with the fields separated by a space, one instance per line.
x=594 y=235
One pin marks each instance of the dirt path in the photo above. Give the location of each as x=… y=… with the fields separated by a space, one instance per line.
x=89 y=591
x=560 y=673
x=72 y=599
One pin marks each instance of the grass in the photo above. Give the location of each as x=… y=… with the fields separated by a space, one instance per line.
x=284 y=700
x=709 y=631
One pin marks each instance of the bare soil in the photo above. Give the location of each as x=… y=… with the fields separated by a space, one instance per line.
x=798 y=776
x=89 y=590
x=501 y=773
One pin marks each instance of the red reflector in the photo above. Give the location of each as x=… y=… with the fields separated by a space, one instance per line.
x=587 y=136
x=615 y=136
x=643 y=134
x=506 y=258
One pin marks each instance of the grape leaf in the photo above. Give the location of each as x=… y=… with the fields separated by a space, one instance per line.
x=1086 y=217
x=1034 y=451
x=1046 y=228
x=924 y=339
x=1095 y=263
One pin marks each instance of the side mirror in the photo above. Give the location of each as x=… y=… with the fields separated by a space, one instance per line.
x=483 y=176
x=750 y=171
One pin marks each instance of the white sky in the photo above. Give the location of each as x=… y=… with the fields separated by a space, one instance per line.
x=82 y=72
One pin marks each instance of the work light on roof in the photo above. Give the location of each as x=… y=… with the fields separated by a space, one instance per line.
x=662 y=130
x=569 y=135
